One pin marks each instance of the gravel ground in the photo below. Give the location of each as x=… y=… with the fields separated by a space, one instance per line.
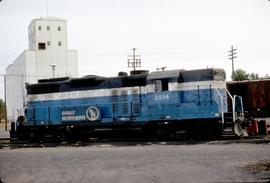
x=138 y=163
x=3 y=133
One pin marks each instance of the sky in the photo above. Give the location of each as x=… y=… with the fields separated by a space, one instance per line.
x=178 y=34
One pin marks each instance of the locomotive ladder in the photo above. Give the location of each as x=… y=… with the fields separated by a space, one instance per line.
x=230 y=120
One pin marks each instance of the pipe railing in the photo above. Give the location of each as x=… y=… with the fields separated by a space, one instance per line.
x=222 y=106
x=233 y=103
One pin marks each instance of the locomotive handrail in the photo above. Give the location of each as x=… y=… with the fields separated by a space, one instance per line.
x=242 y=107
x=241 y=104
x=233 y=103
x=222 y=109
x=233 y=106
x=229 y=93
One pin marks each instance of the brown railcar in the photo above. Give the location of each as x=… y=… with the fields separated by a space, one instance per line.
x=255 y=94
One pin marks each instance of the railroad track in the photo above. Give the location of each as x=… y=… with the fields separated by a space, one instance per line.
x=7 y=144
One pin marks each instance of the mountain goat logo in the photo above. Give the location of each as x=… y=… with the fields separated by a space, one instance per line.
x=92 y=113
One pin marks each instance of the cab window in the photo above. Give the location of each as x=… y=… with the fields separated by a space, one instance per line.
x=161 y=85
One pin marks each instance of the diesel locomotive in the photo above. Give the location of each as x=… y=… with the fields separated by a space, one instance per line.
x=173 y=103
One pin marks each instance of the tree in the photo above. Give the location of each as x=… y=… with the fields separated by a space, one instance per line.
x=2 y=103
x=240 y=75
x=266 y=76
x=253 y=76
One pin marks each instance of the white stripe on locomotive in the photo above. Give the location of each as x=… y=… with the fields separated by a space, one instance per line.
x=127 y=90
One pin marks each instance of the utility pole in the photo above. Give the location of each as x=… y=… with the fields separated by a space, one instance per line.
x=134 y=61
x=47 y=8
x=5 y=107
x=232 y=57
x=5 y=99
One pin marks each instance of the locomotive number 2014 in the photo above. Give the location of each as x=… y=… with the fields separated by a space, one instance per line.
x=161 y=97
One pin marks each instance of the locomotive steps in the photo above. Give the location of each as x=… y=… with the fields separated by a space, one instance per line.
x=231 y=128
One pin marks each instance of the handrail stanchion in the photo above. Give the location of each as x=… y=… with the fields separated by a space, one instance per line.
x=234 y=108
x=233 y=103
x=222 y=110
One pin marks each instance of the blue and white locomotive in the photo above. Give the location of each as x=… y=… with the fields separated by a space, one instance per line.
x=162 y=103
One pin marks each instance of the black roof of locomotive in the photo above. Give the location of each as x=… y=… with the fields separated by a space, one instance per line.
x=99 y=82
x=86 y=83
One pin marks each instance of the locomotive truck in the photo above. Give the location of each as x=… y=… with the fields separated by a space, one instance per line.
x=173 y=103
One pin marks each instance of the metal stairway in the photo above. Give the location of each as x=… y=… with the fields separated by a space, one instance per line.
x=231 y=128
x=228 y=126
x=232 y=120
